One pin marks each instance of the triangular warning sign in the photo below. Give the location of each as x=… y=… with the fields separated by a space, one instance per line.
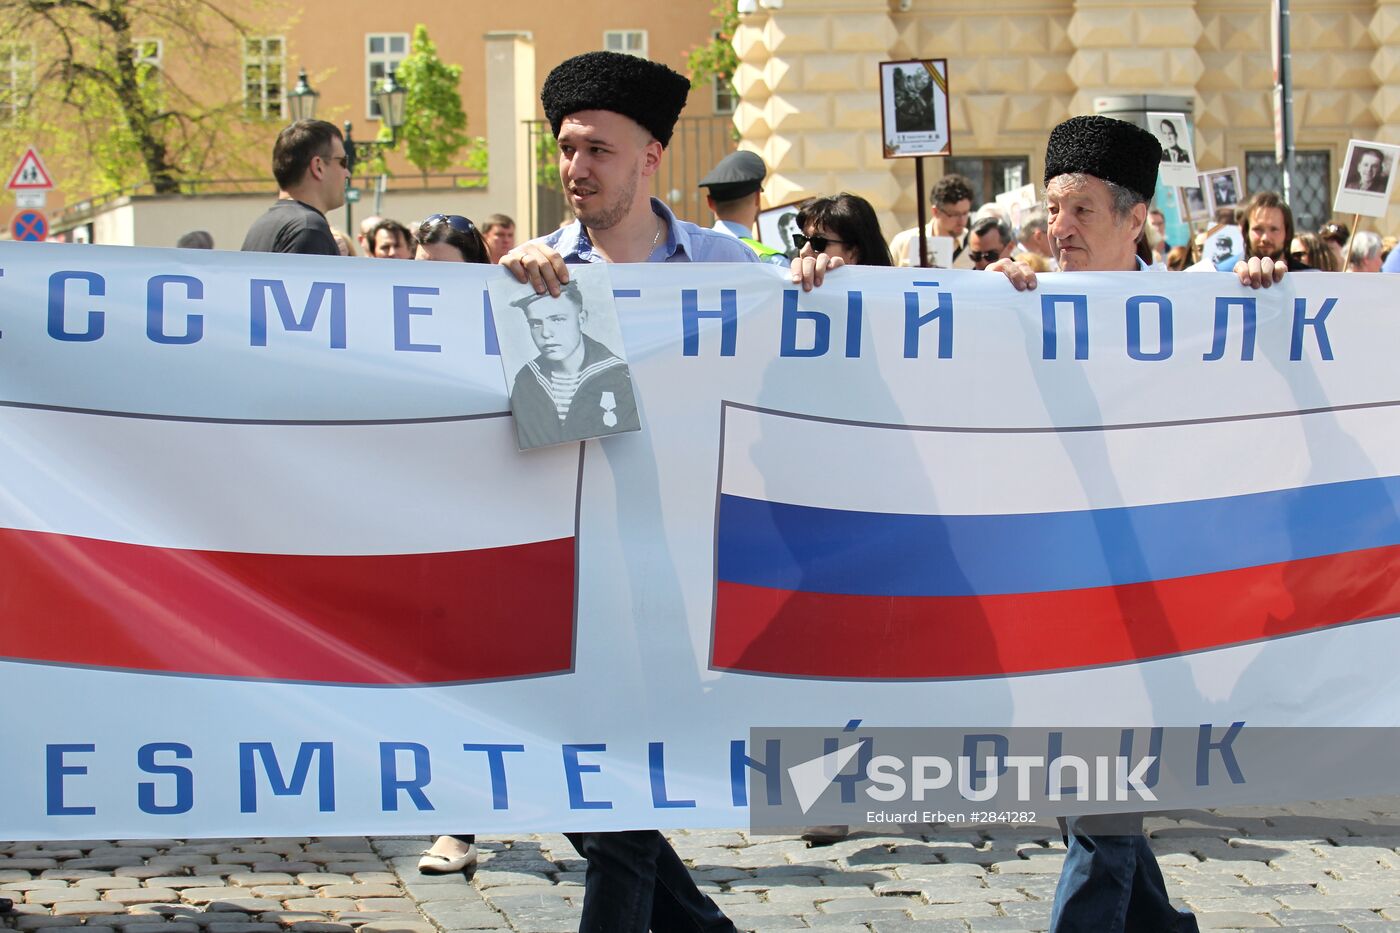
x=30 y=174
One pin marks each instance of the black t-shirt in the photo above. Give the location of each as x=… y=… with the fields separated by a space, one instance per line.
x=291 y=227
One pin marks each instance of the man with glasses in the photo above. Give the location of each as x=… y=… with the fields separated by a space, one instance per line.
x=989 y=240
x=951 y=201
x=311 y=168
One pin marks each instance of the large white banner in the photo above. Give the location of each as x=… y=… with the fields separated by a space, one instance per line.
x=270 y=562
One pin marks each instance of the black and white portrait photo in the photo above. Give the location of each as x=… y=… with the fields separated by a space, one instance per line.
x=1223 y=188
x=776 y=227
x=913 y=100
x=565 y=365
x=1367 y=170
x=1178 y=158
x=1193 y=203
x=1366 y=179
x=914 y=108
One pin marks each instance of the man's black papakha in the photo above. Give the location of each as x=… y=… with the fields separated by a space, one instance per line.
x=1106 y=148
x=646 y=91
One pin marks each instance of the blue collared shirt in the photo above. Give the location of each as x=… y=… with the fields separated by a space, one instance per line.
x=685 y=242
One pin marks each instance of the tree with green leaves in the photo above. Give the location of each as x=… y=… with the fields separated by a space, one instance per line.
x=435 y=125
x=106 y=112
x=717 y=59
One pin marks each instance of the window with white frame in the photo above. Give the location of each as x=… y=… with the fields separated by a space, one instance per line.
x=627 y=41
x=383 y=52
x=264 y=71
x=16 y=76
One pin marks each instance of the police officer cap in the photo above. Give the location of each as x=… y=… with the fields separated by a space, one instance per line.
x=737 y=174
x=648 y=92
x=1113 y=150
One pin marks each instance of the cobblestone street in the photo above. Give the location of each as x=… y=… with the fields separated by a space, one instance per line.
x=1333 y=866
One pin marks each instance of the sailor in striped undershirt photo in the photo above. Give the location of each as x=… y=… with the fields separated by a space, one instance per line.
x=577 y=387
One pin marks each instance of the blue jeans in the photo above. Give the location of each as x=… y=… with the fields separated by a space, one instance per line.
x=636 y=882
x=1111 y=882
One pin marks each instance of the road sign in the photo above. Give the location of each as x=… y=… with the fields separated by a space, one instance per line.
x=35 y=199
x=352 y=195
x=29 y=225
x=30 y=173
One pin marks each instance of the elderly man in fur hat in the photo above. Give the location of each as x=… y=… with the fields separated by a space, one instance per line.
x=1100 y=176
x=613 y=116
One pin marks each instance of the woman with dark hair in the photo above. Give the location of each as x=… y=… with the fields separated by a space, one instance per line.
x=450 y=238
x=842 y=225
x=1310 y=251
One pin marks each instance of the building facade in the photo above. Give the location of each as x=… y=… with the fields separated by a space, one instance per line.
x=808 y=86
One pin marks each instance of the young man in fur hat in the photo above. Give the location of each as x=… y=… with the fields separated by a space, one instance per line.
x=613 y=115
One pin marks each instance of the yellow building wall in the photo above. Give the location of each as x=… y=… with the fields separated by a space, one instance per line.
x=810 y=93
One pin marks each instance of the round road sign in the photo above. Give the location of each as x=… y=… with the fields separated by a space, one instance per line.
x=29 y=225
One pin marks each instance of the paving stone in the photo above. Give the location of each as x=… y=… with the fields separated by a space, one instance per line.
x=174 y=926
x=252 y=879
x=399 y=926
x=286 y=918
x=1292 y=918
x=320 y=904
x=316 y=879
x=223 y=926
x=35 y=921
x=141 y=896
x=1234 y=920
x=58 y=895
x=106 y=883
x=357 y=918
x=90 y=908
x=289 y=867
x=361 y=890
x=386 y=904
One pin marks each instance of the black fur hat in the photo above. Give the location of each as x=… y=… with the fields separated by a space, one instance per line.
x=1110 y=149
x=646 y=91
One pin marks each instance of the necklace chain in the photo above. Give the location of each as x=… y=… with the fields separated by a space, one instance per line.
x=656 y=239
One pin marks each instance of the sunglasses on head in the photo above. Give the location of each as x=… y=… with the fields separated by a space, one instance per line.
x=455 y=221
x=819 y=243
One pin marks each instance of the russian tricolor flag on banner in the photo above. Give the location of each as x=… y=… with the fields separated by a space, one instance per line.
x=850 y=550
x=387 y=553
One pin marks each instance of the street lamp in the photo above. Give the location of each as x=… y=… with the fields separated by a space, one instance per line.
x=301 y=100
x=391 y=98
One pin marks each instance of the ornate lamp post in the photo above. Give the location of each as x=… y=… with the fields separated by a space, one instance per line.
x=391 y=97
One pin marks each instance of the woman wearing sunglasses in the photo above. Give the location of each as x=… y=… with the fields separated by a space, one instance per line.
x=450 y=238
x=842 y=225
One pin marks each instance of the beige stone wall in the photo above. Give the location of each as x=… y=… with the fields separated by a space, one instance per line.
x=810 y=98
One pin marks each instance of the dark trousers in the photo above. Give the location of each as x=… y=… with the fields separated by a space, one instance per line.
x=1111 y=882
x=636 y=882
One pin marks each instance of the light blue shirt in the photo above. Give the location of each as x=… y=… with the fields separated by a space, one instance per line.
x=685 y=242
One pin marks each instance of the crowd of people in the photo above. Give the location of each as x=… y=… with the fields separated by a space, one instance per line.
x=613 y=116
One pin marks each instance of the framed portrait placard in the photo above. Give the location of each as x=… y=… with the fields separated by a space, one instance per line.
x=1223 y=188
x=1368 y=177
x=914 y=108
x=1178 y=157
x=1192 y=203
x=777 y=225
x=565 y=365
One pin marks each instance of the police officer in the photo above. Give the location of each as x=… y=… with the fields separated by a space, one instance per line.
x=735 y=184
